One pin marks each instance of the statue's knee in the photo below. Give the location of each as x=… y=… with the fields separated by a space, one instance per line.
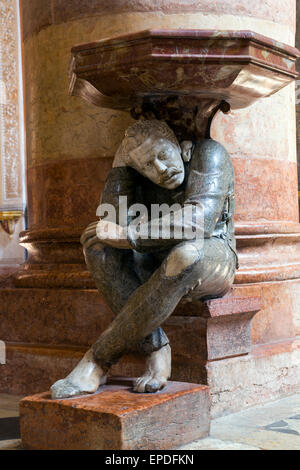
x=181 y=259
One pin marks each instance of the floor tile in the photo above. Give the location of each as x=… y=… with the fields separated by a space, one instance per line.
x=9 y=428
x=274 y=426
x=6 y=413
x=216 y=444
x=10 y=402
x=14 y=444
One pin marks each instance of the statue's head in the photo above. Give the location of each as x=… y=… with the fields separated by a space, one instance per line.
x=151 y=148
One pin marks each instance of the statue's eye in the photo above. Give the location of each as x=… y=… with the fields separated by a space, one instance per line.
x=162 y=155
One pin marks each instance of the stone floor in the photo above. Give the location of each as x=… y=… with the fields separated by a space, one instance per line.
x=9 y=422
x=274 y=426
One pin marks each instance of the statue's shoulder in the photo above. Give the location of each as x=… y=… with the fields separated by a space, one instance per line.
x=210 y=154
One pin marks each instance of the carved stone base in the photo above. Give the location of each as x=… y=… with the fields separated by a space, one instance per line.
x=115 y=418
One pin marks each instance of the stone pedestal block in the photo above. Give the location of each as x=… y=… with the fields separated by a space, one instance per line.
x=228 y=325
x=115 y=418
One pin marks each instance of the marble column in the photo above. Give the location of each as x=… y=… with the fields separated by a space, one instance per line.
x=70 y=146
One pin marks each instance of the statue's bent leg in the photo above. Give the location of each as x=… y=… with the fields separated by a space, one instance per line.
x=114 y=273
x=188 y=266
x=117 y=274
x=207 y=270
x=133 y=270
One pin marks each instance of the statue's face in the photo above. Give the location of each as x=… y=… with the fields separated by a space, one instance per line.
x=160 y=161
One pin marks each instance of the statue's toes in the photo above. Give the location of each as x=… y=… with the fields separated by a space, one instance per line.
x=140 y=384
x=155 y=385
x=148 y=384
x=64 y=389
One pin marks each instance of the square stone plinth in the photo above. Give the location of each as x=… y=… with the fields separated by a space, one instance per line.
x=116 y=418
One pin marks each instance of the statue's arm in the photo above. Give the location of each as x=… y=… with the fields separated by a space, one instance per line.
x=211 y=176
x=120 y=183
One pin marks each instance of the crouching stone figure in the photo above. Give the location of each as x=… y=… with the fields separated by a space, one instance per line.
x=143 y=277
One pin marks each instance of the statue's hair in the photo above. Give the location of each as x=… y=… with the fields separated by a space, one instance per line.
x=140 y=131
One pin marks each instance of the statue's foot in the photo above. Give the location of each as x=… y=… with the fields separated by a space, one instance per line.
x=157 y=373
x=85 y=378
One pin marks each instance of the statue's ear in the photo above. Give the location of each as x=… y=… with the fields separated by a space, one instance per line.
x=186 y=150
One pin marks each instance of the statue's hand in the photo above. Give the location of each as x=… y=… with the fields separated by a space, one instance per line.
x=89 y=234
x=112 y=234
x=105 y=232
